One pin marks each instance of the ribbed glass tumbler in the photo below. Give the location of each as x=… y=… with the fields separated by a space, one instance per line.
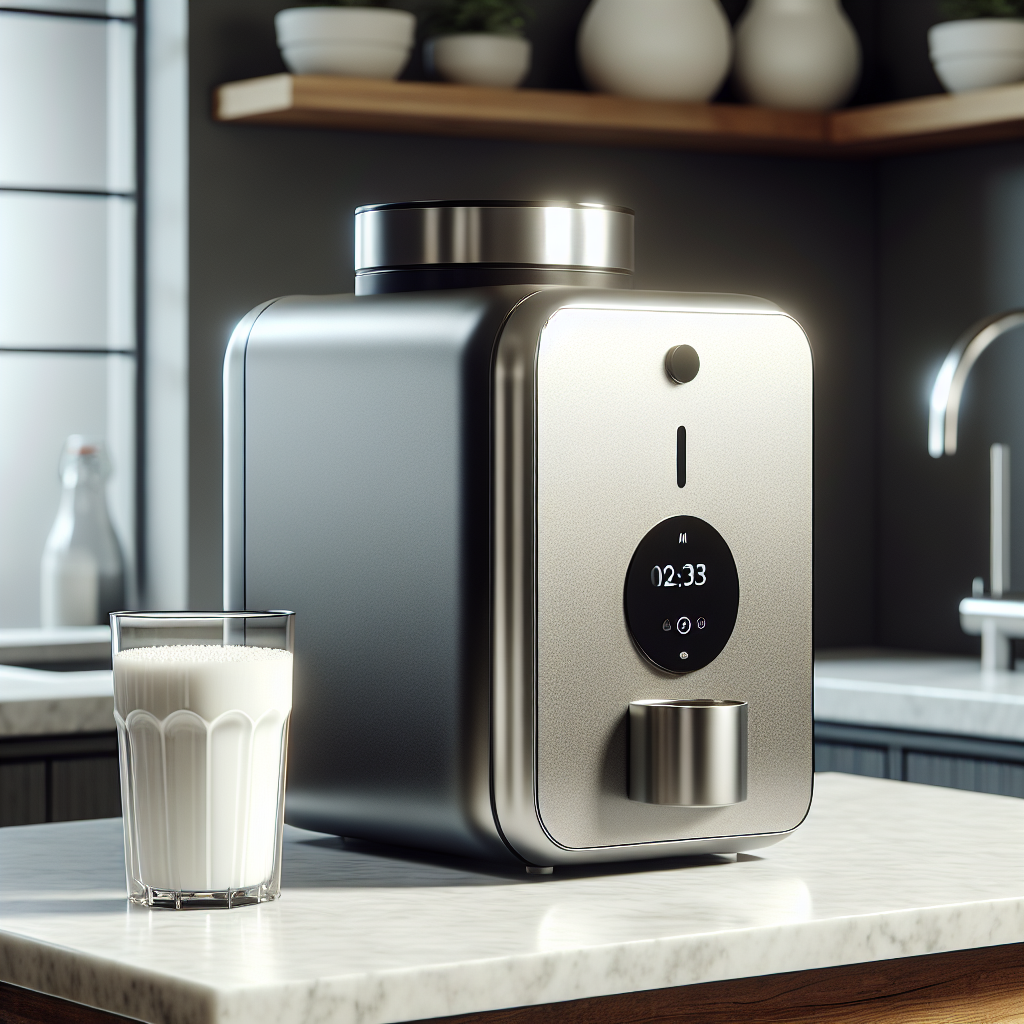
x=202 y=702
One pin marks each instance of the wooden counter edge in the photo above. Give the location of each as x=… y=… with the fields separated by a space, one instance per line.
x=976 y=986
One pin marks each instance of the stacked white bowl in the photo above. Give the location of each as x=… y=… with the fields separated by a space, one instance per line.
x=479 y=58
x=977 y=53
x=364 y=42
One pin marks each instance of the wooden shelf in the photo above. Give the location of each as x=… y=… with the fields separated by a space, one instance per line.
x=930 y=122
x=432 y=108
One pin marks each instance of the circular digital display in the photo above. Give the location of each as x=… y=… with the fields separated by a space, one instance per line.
x=682 y=594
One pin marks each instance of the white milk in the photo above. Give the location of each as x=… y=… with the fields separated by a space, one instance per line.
x=203 y=728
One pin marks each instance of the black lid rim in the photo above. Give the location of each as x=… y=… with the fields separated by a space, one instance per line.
x=407 y=267
x=494 y=204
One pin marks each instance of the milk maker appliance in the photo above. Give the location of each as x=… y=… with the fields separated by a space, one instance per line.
x=548 y=540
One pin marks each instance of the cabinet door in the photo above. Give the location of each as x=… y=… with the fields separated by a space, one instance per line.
x=86 y=787
x=22 y=793
x=972 y=773
x=851 y=759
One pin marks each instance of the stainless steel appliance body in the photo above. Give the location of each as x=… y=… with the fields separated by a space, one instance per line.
x=501 y=519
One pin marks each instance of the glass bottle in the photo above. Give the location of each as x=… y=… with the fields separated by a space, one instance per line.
x=82 y=572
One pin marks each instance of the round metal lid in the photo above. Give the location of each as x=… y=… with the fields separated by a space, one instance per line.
x=580 y=236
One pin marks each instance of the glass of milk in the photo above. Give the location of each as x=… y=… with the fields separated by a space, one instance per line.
x=201 y=703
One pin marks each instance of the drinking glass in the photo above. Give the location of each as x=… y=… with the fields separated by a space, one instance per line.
x=202 y=702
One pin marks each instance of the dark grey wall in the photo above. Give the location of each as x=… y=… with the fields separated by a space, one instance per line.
x=952 y=251
x=900 y=63
x=271 y=215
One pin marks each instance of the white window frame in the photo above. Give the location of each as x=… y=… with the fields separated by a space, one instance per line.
x=164 y=366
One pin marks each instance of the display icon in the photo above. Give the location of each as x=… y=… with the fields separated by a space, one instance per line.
x=683 y=625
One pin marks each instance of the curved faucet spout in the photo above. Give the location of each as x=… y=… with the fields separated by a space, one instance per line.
x=944 y=408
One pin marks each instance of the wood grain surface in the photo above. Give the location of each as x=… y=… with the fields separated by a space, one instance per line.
x=978 y=986
x=20 y=1006
x=438 y=108
x=930 y=122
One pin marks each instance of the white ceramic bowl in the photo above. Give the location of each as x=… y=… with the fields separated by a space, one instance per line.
x=977 y=53
x=479 y=58
x=358 y=60
x=367 y=42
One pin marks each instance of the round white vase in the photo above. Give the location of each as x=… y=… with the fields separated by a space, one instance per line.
x=797 y=54
x=364 y=42
x=977 y=53
x=479 y=58
x=655 y=49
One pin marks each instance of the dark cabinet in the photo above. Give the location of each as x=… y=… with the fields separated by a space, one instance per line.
x=59 y=778
x=959 y=762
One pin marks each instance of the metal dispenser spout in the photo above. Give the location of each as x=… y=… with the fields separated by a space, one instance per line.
x=948 y=389
x=995 y=618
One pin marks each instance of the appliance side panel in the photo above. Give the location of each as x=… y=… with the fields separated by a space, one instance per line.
x=366 y=496
x=607 y=433
x=233 y=466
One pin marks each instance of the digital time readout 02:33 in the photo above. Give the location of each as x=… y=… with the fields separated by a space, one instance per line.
x=689 y=576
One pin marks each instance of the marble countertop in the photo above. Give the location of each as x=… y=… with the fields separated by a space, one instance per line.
x=879 y=870
x=920 y=692
x=49 y=646
x=34 y=702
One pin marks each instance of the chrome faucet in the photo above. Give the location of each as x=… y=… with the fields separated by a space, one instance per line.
x=996 y=618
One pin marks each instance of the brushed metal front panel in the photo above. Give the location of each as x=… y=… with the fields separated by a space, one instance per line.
x=607 y=418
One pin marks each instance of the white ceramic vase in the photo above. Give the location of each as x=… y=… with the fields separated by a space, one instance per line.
x=479 y=58
x=977 y=53
x=365 y=42
x=655 y=49
x=797 y=54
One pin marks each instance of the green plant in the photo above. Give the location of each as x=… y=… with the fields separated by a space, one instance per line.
x=955 y=10
x=501 y=17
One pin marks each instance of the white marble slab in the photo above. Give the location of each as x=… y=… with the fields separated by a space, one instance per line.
x=879 y=870
x=34 y=702
x=926 y=693
x=62 y=643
